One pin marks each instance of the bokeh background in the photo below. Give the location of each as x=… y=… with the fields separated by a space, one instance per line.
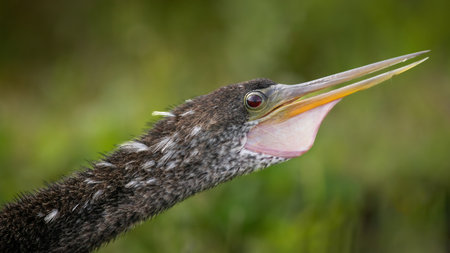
x=78 y=77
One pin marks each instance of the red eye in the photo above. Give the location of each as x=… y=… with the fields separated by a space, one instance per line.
x=254 y=100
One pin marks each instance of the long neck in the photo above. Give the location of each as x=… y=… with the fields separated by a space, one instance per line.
x=139 y=180
x=85 y=210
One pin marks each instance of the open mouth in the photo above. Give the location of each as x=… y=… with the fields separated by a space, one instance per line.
x=289 y=127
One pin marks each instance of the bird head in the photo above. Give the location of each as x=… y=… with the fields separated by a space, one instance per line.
x=247 y=126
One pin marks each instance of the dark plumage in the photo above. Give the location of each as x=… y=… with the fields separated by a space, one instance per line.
x=196 y=149
x=232 y=131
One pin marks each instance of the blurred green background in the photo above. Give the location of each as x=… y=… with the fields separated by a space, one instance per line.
x=78 y=77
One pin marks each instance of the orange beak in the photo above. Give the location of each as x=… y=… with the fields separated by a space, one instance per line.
x=291 y=103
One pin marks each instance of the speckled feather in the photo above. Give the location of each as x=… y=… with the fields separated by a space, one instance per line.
x=196 y=147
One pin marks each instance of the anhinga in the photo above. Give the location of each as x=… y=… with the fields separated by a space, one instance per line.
x=206 y=141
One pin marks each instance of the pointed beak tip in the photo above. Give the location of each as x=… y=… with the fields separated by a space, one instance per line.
x=293 y=92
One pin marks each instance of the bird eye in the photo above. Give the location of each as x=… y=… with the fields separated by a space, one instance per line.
x=254 y=100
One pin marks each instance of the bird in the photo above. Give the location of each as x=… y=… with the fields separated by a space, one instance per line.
x=206 y=141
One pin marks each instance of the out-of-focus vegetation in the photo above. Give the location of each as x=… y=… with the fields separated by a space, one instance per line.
x=77 y=77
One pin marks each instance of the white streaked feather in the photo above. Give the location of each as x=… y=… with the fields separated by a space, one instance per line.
x=134 y=146
x=187 y=113
x=51 y=216
x=97 y=194
x=105 y=164
x=148 y=165
x=196 y=130
x=165 y=114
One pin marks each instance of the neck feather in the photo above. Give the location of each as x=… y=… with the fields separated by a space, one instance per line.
x=139 y=180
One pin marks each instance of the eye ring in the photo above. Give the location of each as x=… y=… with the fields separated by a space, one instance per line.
x=255 y=100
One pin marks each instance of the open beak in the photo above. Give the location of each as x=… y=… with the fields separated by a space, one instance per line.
x=288 y=95
x=288 y=112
